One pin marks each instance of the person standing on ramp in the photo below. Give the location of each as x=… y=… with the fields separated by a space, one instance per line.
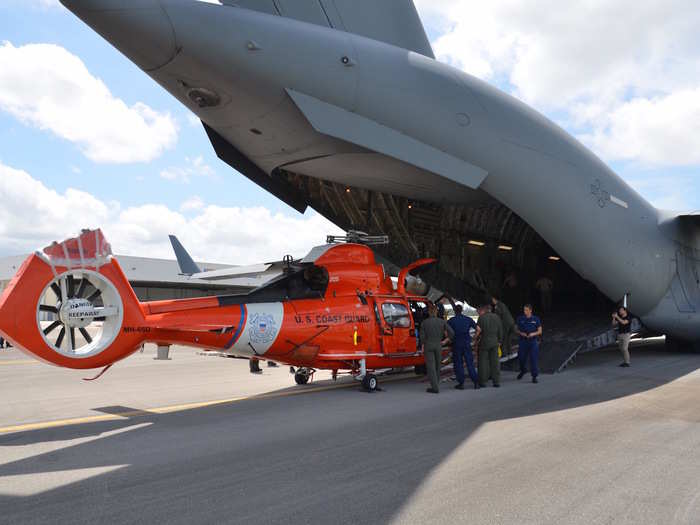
x=621 y=320
x=462 y=347
x=529 y=329
x=434 y=332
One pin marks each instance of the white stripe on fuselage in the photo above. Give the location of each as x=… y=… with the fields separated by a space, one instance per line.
x=262 y=326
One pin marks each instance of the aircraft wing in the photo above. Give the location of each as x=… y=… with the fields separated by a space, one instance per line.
x=395 y=22
x=234 y=271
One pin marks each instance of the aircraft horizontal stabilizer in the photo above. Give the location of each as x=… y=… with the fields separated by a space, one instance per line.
x=351 y=127
x=232 y=272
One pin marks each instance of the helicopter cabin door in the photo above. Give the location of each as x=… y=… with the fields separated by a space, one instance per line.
x=396 y=333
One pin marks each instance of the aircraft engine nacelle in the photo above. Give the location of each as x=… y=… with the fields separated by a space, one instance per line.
x=67 y=305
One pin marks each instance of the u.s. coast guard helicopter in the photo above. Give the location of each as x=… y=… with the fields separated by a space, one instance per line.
x=336 y=309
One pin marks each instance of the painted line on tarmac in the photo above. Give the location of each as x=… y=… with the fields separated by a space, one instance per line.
x=181 y=408
x=17 y=361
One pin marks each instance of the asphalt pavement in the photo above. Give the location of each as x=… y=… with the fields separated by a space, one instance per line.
x=200 y=440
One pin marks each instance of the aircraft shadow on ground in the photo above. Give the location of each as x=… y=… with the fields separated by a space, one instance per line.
x=287 y=458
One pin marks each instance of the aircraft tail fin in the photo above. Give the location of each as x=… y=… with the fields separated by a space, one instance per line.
x=71 y=305
x=184 y=261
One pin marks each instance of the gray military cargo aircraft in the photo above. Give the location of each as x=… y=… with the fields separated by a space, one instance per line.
x=306 y=96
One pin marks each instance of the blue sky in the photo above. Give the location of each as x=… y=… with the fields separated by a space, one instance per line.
x=635 y=100
x=52 y=159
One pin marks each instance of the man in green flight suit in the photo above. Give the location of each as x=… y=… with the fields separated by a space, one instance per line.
x=500 y=309
x=434 y=332
x=489 y=331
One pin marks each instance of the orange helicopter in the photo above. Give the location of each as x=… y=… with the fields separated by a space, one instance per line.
x=337 y=309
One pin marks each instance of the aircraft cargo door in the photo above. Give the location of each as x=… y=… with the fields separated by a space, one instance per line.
x=396 y=332
x=685 y=286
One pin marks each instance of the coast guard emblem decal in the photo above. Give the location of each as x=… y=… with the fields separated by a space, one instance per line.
x=263 y=328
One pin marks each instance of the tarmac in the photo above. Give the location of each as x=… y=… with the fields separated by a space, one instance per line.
x=198 y=439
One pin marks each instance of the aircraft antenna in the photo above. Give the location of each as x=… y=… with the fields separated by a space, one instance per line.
x=287 y=260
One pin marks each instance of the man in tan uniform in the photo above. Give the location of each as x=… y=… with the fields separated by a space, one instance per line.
x=489 y=331
x=434 y=332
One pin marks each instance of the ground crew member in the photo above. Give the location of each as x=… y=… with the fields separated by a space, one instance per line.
x=508 y=322
x=462 y=347
x=529 y=329
x=490 y=334
x=545 y=286
x=622 y=321
x=434 y=332
x=254 y=363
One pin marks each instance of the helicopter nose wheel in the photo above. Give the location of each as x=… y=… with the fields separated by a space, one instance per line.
x=302 y=375
x=79 y=313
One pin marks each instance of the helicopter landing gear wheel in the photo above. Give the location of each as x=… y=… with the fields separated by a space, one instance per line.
x=302 y=376
x=370 y=383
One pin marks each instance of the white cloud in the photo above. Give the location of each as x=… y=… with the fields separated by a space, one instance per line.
x=33 y=215
x=195 y=167
x=193 y=203
x=46 y=86
x=657 y=131
x=589 y=63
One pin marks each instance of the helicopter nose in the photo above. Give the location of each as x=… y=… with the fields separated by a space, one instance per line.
x=140 y=29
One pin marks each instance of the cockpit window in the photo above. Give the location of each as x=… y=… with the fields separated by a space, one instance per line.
x=316 y=277
x=396 y=315
x=310 y=282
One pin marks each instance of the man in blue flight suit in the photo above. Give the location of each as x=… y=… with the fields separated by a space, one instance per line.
x=462 y=347
x=529 y=329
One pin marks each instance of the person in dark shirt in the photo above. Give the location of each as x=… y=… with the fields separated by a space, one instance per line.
x=529 y=330
x=462 y=347
x=621 y=319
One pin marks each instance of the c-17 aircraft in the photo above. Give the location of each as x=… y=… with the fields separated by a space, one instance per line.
x=301 y=96
x=337 y=309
